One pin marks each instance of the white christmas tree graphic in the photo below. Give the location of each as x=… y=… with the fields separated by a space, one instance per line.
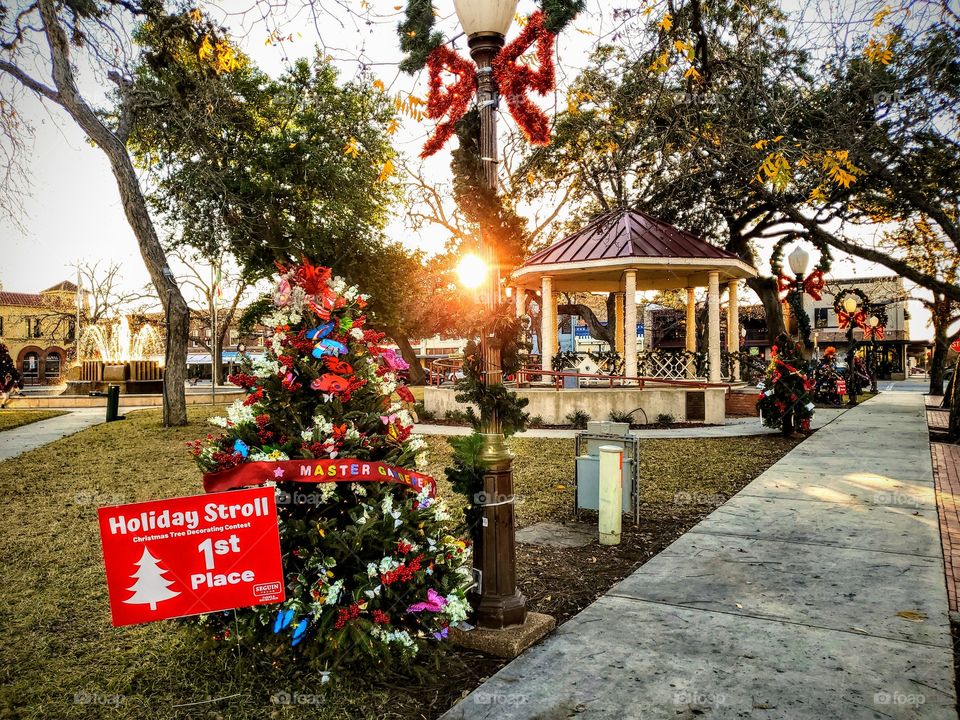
x=151 y=586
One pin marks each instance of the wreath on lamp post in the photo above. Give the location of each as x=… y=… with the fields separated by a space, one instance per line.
x=792 y=290
x=859 y=316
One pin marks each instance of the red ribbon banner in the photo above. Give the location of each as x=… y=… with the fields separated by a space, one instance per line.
x=316 y=471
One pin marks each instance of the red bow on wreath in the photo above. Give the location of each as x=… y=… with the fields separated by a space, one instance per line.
x=513 y=78
x=859 y=319
x=813 y=285
x=875 y=333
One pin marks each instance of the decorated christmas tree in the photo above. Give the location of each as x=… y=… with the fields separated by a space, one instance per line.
x=374 y=569
x=6 y=364
x=785 y=391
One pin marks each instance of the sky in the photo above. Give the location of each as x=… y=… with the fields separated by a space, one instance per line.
x=74 y=213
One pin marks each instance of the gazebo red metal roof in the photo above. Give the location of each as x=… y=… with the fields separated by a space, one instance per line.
x=627 y=233
x=663 y=257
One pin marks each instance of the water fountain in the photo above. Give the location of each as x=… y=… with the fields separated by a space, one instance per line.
x=111 y=354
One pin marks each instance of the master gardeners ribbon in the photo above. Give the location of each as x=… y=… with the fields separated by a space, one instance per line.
x=316 y=471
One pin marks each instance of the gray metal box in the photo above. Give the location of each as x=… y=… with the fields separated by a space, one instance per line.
x=588 y=483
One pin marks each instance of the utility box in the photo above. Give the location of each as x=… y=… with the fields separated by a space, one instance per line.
x=587 y=471
x=608 y=427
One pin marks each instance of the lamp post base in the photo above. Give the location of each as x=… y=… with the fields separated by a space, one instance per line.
x=508 y=642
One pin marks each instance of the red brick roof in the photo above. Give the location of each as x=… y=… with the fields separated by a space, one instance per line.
x=627 y=233
x=21 y=299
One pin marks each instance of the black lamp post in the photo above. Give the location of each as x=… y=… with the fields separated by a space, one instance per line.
x=498 y=602
x=850 y=305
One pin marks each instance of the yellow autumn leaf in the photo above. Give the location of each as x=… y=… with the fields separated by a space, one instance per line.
x=352 y=148
x=530 y=178
x=760 y=144
x=195 y=15
x=881 y=15
x=692 y=73
x=386 y=171
x=666 y=23
x=661 y=64
x=205 y=52
x=393 y=126
x=817 y=195
x=378 y=84
x=647 y=12
x=519 y=19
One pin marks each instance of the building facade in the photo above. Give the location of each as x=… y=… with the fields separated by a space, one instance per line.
x=888 y=355
x=39 y=330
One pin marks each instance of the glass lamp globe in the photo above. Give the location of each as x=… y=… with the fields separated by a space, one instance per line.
x=485 y=16
x=799 y=259
x=850 y=304
x=874 y=321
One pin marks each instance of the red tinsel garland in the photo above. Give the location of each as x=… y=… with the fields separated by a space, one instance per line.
x=515 y=79
x=813 y=284
x=450 y=102
x=876 y=333
x=859 y=319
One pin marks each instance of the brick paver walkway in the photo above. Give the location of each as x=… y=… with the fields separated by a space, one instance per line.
x=946 y=476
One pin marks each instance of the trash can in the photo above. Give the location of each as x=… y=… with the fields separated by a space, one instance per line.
x=113 y=403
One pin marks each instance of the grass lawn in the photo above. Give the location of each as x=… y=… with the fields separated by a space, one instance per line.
x=10 y=419
x=62 y=659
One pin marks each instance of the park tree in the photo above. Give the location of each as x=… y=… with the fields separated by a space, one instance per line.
x=43 y=46
x=272 y=170
x=217 y=285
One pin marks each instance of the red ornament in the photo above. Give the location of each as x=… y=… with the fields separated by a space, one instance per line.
x=516 y=79
x=450 y=102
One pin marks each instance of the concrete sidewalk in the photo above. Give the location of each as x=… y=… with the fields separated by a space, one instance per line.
x=734 y=427
x=783 y=603
x=29 y=437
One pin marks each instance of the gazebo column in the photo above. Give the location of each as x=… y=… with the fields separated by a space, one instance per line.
x=548 y=323
x=733 y=328
x=691 y=345
x=520 y=301
x=630 y=322
x=618 y=323
x=713 y=325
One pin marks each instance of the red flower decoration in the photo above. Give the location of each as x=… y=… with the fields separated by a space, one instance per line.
x=330 y=383
x=404 y=392
x=338 y=366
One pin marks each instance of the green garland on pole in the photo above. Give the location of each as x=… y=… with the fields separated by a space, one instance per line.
x=418 y=38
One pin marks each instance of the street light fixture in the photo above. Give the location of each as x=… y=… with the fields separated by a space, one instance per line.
x=799 y=259
x=850 y=305
x=498 y=602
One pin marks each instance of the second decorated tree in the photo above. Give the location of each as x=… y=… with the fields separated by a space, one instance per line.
x=785 y=401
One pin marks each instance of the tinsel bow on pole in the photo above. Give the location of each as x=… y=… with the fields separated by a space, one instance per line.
x=451 y=101
x=812 y=285
x=514 y=79
x=875 y=333
x=859 y=319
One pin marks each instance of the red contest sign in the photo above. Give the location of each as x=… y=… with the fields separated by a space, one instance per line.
x=841 y=387
x=191 y=555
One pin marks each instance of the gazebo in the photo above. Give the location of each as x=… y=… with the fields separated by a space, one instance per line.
x=626 y=251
